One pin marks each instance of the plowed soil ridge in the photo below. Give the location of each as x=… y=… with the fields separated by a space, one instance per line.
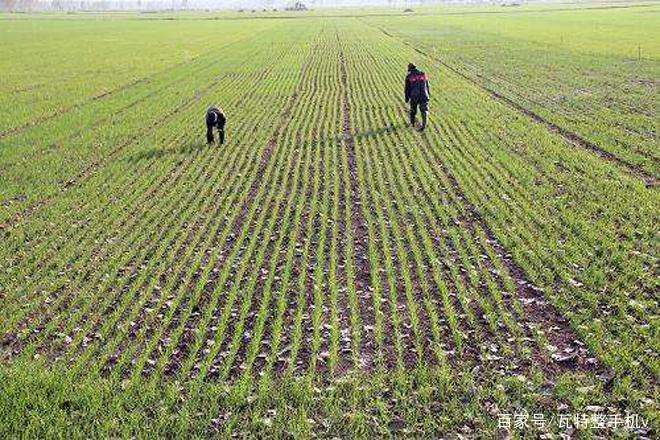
x=570 y=352
x=359 y=224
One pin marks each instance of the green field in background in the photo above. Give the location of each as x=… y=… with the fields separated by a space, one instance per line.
x=328 y=271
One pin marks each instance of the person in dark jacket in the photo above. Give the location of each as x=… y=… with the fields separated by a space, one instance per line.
x=215 y=118
x=417 y=94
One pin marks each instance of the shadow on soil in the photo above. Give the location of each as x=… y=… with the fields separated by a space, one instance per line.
x=199 y=145
x=157 y=153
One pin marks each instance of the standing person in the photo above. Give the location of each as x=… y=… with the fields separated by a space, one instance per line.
x=215 y=118
x=417 y=93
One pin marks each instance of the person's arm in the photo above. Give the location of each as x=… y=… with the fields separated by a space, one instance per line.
x=407 y=89
x=221 y=127
x=428 y=89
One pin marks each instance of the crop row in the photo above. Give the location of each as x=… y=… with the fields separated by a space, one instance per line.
x=95 y=65
x=599 y=91
x=328 y=237
x=577 y=227
x=124 y=173
x=39 y=162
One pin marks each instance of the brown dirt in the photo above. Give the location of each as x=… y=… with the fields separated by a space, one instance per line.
x=363 y=287
x=571 y=353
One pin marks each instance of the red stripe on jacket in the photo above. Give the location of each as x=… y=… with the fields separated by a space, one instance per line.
x=417 y=78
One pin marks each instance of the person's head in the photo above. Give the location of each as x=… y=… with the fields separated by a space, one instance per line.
x=411 y=67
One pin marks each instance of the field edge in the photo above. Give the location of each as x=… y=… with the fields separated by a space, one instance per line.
x=39 y=402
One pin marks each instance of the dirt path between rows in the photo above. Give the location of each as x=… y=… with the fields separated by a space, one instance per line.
x=363 y=286
x=569 y=136
x=569 y=353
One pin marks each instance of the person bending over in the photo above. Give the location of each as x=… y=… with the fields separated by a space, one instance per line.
x=215 y=118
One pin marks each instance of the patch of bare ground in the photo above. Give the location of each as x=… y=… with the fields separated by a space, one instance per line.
x=363 y=287
x=570 y=354
x=568 y=135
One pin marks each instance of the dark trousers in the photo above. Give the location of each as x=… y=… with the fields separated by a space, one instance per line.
x=209 y=134
x=423 y=107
